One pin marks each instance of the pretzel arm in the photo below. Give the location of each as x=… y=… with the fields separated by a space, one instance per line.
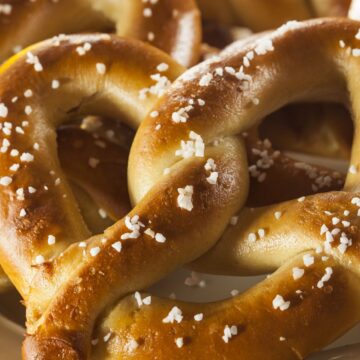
x=171 y=25
x=239 y=254
x=301 y=327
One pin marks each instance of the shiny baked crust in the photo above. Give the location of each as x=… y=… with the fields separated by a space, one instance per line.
x=68 y=296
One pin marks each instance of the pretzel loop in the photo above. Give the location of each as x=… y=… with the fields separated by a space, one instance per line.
x=43 y=208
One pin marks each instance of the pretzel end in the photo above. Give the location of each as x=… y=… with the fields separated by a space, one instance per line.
x=39 y=348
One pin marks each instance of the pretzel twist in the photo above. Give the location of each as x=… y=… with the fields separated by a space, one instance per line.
x=293 y=232
x=245 y=256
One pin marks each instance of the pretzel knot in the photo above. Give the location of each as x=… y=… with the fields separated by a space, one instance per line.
x=188 y=175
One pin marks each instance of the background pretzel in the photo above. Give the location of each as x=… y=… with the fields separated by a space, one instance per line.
x=60 y=313
x=173 y=26
x=263 y=15
x=260 y=15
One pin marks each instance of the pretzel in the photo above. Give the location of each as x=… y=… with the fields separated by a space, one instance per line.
x=128 y=257
x=171 y=25
x=98 y=192
x=197 y=329
x=260 y=15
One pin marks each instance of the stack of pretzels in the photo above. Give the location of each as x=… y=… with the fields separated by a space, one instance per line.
x=94 y=211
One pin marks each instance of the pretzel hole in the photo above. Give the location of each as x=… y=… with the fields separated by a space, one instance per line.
x=302 y=149
x=93 y=152
x=321 y=129
x=219 y=35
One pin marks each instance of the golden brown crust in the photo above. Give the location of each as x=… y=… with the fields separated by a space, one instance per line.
x=171 y=25
x=304 y=325
x=67 y=296
x=20 y=27
x=51 y=349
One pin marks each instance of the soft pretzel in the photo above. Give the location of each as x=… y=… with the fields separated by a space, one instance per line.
x=67 y=295
x=109 y=193
x=171 y=25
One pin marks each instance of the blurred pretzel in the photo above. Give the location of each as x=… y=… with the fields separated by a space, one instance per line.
x=260 y=15
x=171 y=25
x=316 y=129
